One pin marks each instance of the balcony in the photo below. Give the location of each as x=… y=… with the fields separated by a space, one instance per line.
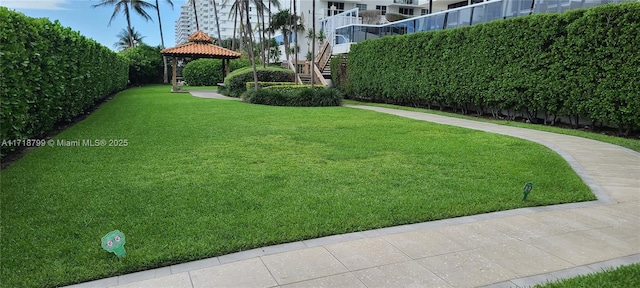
x=405 y=3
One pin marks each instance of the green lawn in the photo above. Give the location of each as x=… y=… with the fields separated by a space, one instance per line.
x=203 y=177
x=633 y=144
x=621 y=277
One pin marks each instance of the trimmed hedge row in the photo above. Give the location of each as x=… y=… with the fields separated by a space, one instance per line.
x=339 y=73
x=250 y=85
x=208 y=72
x=49 y=74
x=578 y=63
x=145 y=64
x=297 y=95
x=235 y=82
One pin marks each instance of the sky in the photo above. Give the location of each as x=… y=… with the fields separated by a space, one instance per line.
x=93 y=22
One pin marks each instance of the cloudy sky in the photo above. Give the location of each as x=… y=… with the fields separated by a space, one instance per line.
x=92 y=22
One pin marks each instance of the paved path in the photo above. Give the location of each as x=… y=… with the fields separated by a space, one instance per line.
x=504 y=249
x=211 y=94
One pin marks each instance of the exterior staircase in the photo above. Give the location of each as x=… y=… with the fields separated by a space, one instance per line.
x=322 y=69
x=326 y=72
x=305 y=78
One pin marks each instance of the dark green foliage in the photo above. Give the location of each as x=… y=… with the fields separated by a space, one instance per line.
x=294 y=95
x=582 y=62
x=251 y=85
x=50 y=74
x=603 y=61
x=145 y=64
x=235 y=82
x=339 y=73
x=208 y=72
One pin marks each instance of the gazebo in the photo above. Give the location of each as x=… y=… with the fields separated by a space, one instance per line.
x=200 y=45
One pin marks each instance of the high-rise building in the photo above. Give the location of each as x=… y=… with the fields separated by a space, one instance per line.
x=186 y=23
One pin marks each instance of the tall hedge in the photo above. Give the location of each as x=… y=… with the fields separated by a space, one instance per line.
x=578 y=63
x=208 y=72
x=145 y=64
x=50 y=73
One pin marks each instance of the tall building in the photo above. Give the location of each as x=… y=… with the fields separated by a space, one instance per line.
x=186 y=23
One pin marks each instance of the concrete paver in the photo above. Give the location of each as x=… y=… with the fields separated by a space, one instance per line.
x=356 y=255
x=245 y=273
x=523 y=259
x=305 y=264
x=502 y=249
x=345 y=280
x=466 y=269
x=405 y=274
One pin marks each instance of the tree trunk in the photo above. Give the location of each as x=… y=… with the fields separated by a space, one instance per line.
x=313 y=43
x=195 y=13
x=215 y=12
x=295 y=47
x=165 y=75
x=262 y=34
x=235 y=28
x=251 y=54
x=269 y=36
x=126 y=14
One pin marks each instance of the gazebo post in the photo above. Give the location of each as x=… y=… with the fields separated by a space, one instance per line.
x=200 y=45
x=224 y=68
x=174 y=77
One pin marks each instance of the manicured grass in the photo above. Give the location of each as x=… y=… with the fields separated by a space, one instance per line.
x=622 y=277
x=203 y=177
x=632 y=144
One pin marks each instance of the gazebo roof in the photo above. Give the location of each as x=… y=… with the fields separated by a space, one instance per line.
x=200 y=45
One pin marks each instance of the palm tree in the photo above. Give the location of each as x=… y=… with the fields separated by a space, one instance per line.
x=313 y=46
x=137 y=5
x=124 y=39
x=164 y=58
x=250 y=34
x=288 y=24
x=195 y=12
x=263 y=41
x=215 y=11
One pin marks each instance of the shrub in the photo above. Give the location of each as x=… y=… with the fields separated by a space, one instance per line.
x=235 y=82
x=296 y=95
x=50 y=74
x=339 y=73
x=251 y=85
x=208 y=72
x=581 y=63
x=145 y=64
x=393 y=17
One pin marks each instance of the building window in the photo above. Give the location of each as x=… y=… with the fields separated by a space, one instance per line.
x=457 y=5
x=424 y=11
x=405 y=11
x=339 y=6
x=361 y=7
x=383 y=9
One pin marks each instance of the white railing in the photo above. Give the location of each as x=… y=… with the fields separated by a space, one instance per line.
x=329 y=24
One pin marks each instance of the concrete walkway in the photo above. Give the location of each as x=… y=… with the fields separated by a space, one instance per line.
x=519 y=247
x=211 y=95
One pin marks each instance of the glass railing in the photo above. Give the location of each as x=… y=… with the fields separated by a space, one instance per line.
x=459 y=17
x=406 y=2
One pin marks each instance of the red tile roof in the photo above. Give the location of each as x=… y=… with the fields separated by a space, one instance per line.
x=200 y=46
x=199 y=36
x=200 y=50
